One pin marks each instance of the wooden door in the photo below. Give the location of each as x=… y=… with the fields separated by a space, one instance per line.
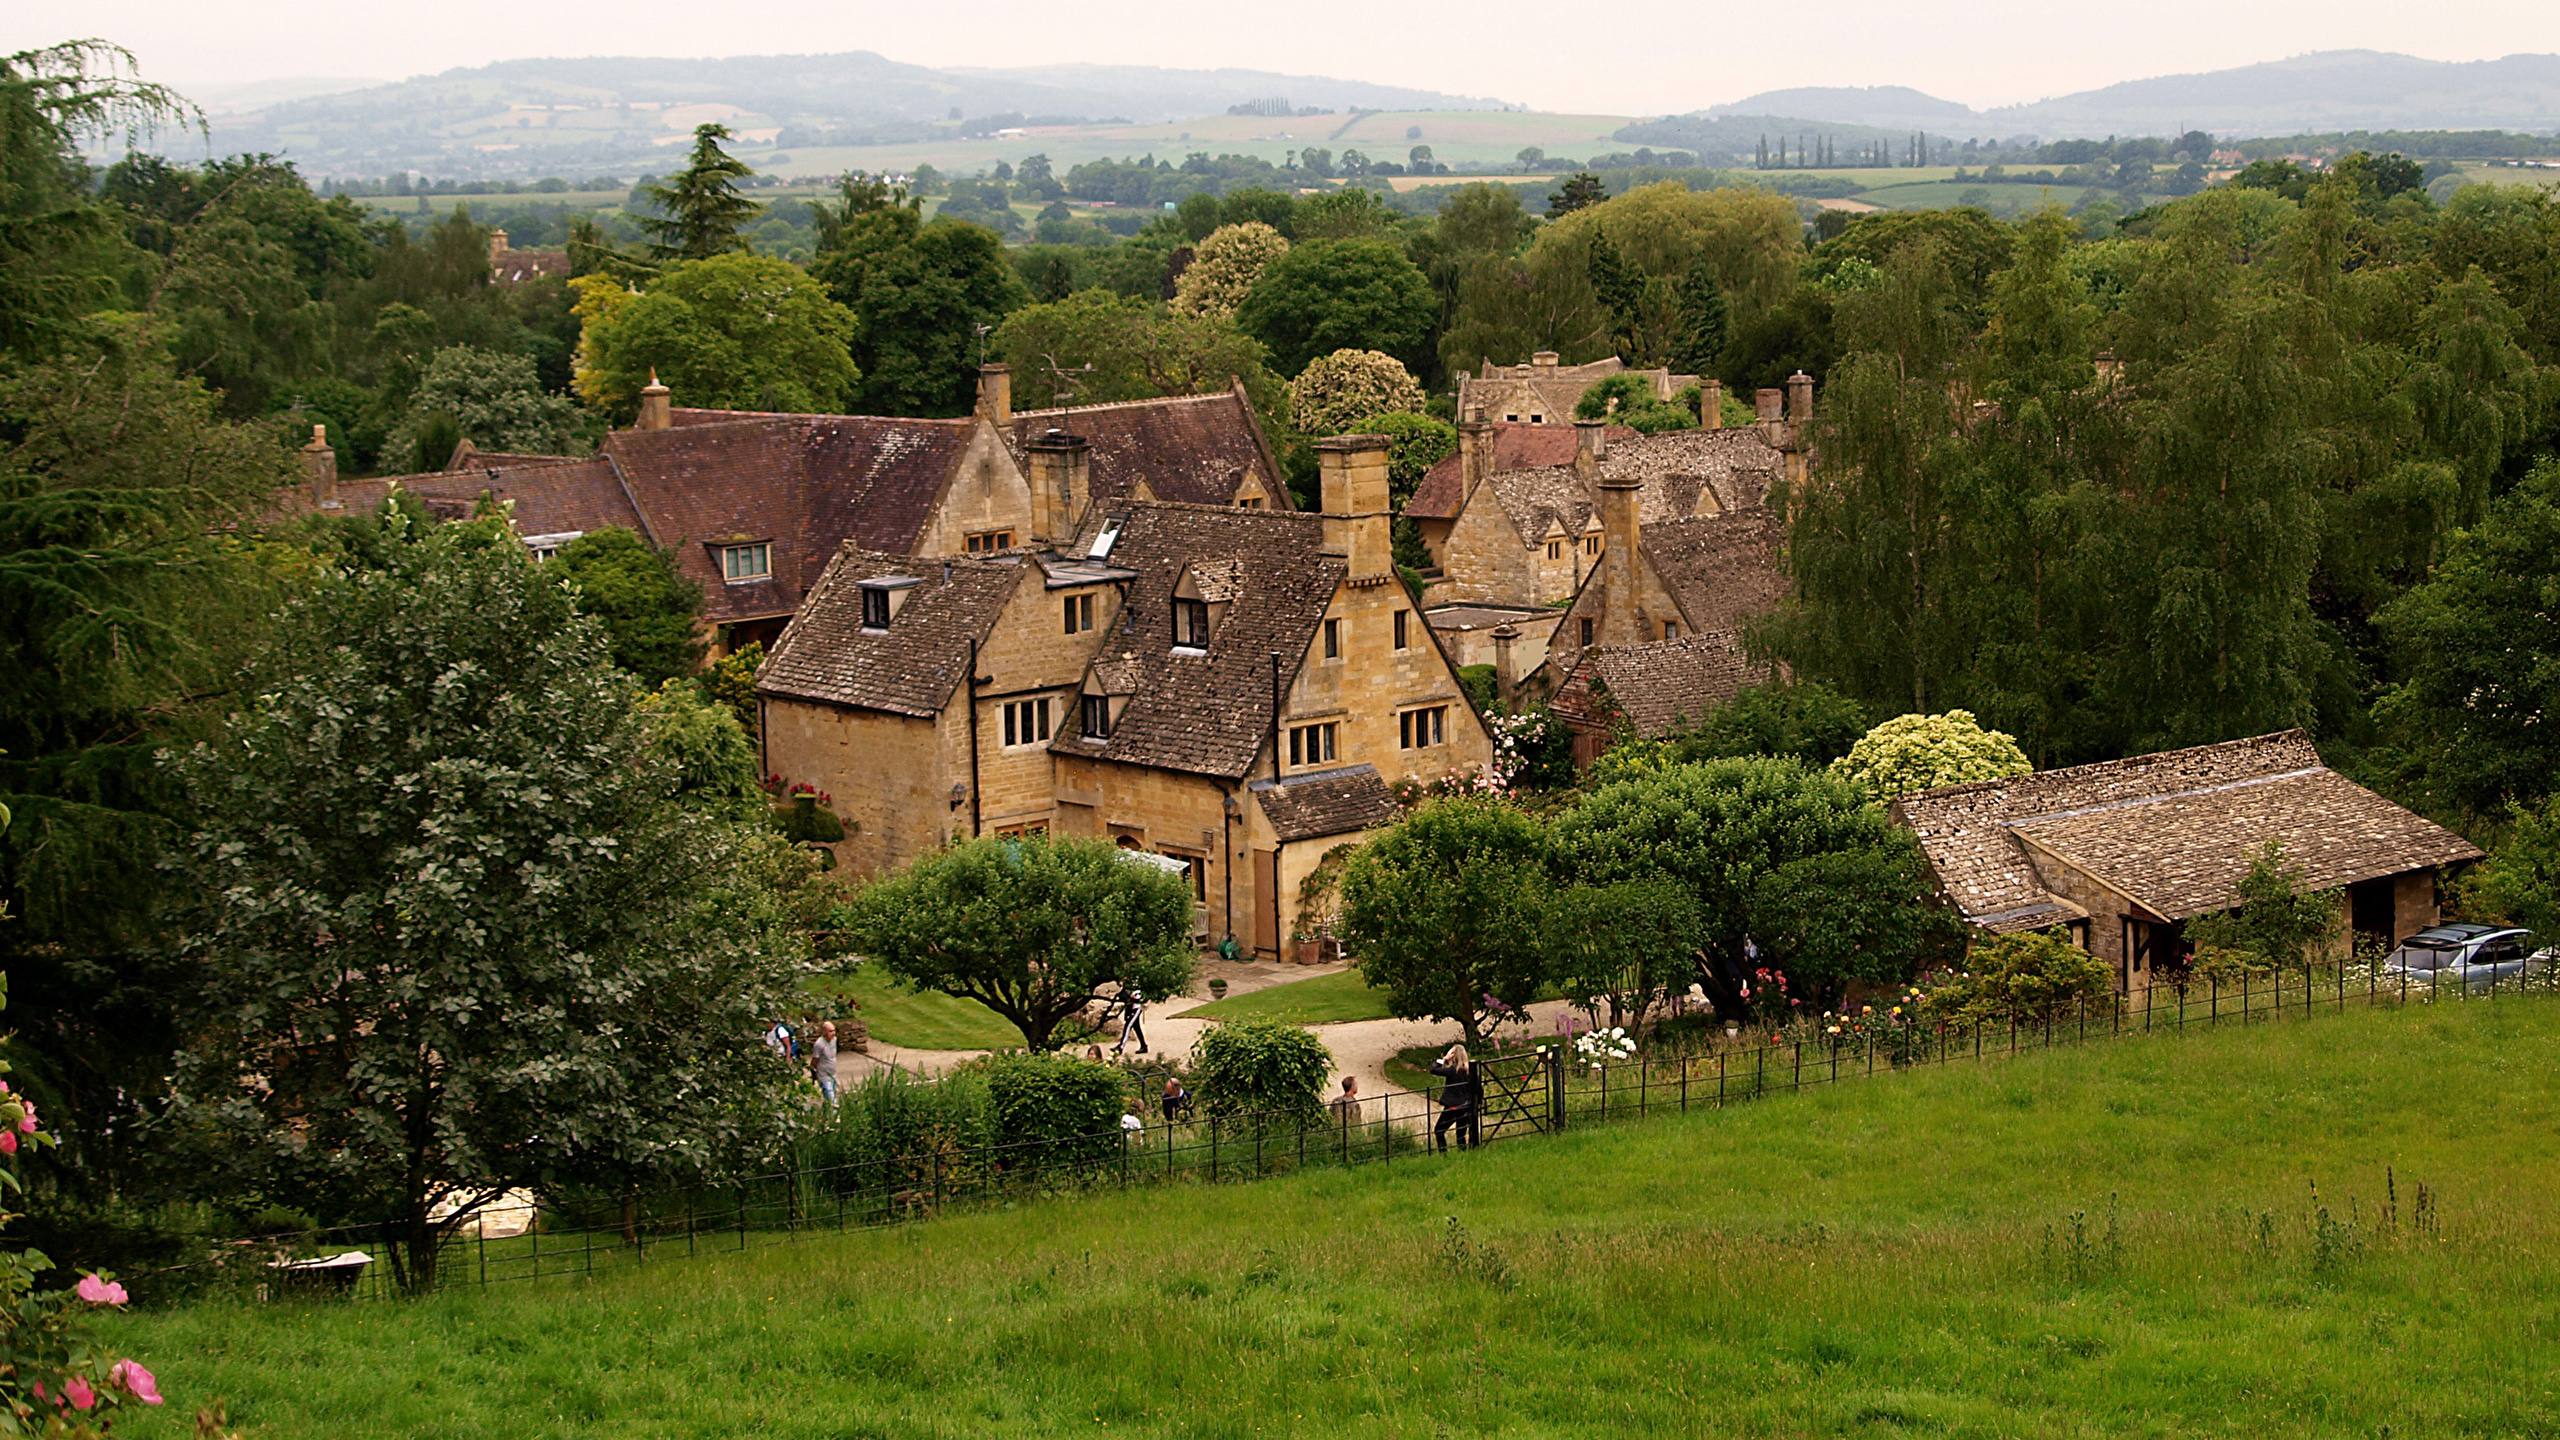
x=1266 y=901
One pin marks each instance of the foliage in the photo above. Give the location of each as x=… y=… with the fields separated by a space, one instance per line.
x=700 y=211
x=495 y=400
x=708 y=756
x=1094 y=347
x=1224 y=267
x=2276 y=922
x=1699 y=320
x=1580 y=191
x=1805 y=720
x=1331 y=295
x=731 y=681
x=1335 y=391
x=1923 y=752
x=1442 y=910
x=736 y=331
x=2519 y=884
x=1415 y=443
x=1262 y=1068
x=2024 y=976
x=442 y=839
x=1054 y=1109
x=1031 y=927
x=1627 y=944
x=923 y=297
x=1629 y=400
x=646 y=605
x=1794 y=862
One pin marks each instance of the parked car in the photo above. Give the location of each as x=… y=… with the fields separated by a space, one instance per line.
x=2474 y=956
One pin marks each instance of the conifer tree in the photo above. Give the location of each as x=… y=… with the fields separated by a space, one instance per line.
x=1698 y=341
x=702 y=209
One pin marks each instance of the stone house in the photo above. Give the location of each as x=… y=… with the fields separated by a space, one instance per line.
x=2123 y=853
x=1544 y=392
x=1237 y=689
x=510 y=266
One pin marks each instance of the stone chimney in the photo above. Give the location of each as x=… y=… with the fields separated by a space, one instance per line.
x=1800 y=399
x=1769 y=406
x=1506 y=671
x=1475 y=452
x=1545 y=359
x=321 y=464
x=1061 y=478
x=657 y=411
x=1590 y=447
x=1710 y=404
x=1620 y=507
x=995 y=394
x=1356 y=517
x=497 y=245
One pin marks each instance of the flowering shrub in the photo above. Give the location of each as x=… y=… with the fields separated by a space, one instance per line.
x=1922 y=752
x=1484 y=780
x=1900 y=1031
x=1595 y=1048
x=1340 y=389
x=2029 y=975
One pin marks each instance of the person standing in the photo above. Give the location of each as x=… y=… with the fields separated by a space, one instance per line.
x=1461 y=1100
x=1133 y=1014
x=822 y=1061
x=1346 y=1106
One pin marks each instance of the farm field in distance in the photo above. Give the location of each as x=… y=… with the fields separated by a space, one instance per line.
x=2178 y=1234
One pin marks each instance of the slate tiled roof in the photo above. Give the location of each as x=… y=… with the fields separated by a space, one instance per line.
x=1537 y=501
x=1720 y=569
x=1192 y=448
x=2175 y=831
x=1737 y=463
x=1326 y=802
x=1208 y=713
x=551 y=497
x=1515 y=447
x=1660 y=687
x=912 y=667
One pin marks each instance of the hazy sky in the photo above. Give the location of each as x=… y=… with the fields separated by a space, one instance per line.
x=1616 y=59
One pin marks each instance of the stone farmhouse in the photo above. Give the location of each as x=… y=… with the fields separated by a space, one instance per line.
x=2124 y=852
x=1235 y=688
x=1544 y=392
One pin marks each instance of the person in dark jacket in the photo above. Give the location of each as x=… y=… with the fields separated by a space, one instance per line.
x=1461 y=1100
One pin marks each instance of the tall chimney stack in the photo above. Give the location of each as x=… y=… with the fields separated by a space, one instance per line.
x=657 y=412
x=497 y=245
x=1710 y=404
x=1061 y=475
x=1506 y=671
x=321 y=464
x=1619 y=504
x=1475 y=452
x=1800 y=399
x=1590 y=447
x=1356 y=514
x=995 y=394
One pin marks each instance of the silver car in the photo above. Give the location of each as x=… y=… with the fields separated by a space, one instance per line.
x=2473 y=956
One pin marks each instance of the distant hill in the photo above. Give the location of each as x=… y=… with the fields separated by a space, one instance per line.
x=2328 y=91
x=598 y=113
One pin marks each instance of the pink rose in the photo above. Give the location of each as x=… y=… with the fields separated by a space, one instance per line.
x=100 y=1292
x=8 y=1142
x=131 y=1375
x=28 y=1125
x=77 y=1391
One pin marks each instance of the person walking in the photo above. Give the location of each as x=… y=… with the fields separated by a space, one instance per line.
x=822 y=1061
x=1346 y=1106
x=1133 y=1014
x=1461 y=1100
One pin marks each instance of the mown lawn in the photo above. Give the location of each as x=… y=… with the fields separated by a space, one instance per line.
x=920 y=1019
x=2122 y=1239
x=1324 y=1000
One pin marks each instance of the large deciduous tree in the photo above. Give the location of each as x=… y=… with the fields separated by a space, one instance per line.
x=462 y=929
x=736 y=331
x=1031 y=927
x=1333 y=295
x=925 y=295
x=646 y=604
x=1094 y=347
x=1444 y=910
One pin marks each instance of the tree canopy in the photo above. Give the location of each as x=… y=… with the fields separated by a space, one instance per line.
x=1332 y=295
x=699 y=209
x=1444 y=910
x=646 y=605
x=923 y=297
x=736 y=331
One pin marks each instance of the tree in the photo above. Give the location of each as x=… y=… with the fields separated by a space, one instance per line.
x=1923 y=752
x=496 y=401
x=1579 y=192
x=1262 y=1068
x=1626 y=944
x=1332 y=295
x=1334 y=391
x=646 y=605
x=737 y=331
x=1804 y=720
x=924 y=297
x=1629 y=399
x=1223 y=269
x=1031 y=927
x=2519 y=884
x=1621 y=299
x=1443 y=910
x=700 y=211
x=2026 y=975
x=1793 y=861
x=2275 y=926
x=459 y=932
x=1095 y=347
x=1698 y=337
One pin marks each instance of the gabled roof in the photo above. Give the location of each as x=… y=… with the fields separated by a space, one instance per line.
x=2175 y=832
x=1537 y=502
x=1326 y=802
x=1737 y=463
x=1721 y=570
x=912 y=667
x=1191 y=448
x=1515 y=447
x=1558 y=388
x=1207 y=713
x=1659 y=687
x=551 y=497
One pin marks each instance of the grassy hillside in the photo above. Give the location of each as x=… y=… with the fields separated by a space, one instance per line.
x=2122 y=1239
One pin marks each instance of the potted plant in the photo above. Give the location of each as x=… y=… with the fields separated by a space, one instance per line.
x=1218 y=988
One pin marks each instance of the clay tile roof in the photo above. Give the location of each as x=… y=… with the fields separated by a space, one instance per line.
x=2174 y=831
x=1191 y=448
x=1327 y=802
x=1209 y=714
x=1515 y=447
x=911 y=667
x=1720 y=569
x=1662 y=687
x=1737 y=464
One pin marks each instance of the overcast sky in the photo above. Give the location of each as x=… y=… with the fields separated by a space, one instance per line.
x=1619 y=60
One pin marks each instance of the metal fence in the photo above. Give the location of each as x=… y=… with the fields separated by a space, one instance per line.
x=1532 y=1086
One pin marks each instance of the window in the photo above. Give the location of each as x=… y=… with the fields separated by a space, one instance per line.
x=1249 y=502
x=1026 y=722
x=875 y=608
x=1537 y=419
x=1586 y=632
x=1079 y=614
x=1555 y=549
x=988 y=542
x=1513 y=418
x=1028 y=827
x=1670 y=629
x=746 y=562
x=1416 y=729
x=1403 y=618
x=1095 y=719
x=1590 y=544
x=1197 y=867
x=1311 y=744
x=1333 y=639
x=1191 y=623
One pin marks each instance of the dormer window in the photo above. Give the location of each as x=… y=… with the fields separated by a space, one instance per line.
x=742 y=563
x=1190 y=624
x=882 y=597
x=1094 y=717
x=1202 y=596
x=989 y=542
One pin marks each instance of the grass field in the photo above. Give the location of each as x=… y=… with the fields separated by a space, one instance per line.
x=2124 y=1239
x=1324 y=1000
x=920 y=1019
